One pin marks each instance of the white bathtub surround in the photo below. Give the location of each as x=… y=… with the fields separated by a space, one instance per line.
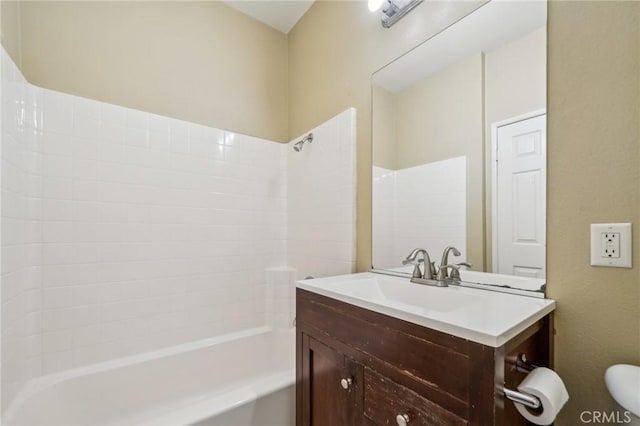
x=21 y=214
x=146 y=226
x=281 y=297
x=384 y=217
x=321 y=207
x=433 y=194
x=321 y=199
x=187 y=384
x=148 y=223
x=124 y=232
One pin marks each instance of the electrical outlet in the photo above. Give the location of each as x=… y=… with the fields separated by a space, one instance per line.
x=611 y=245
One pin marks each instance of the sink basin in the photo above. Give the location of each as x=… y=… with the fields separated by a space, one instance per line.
x=404 y=294
x=486 y=317
x=623 y=382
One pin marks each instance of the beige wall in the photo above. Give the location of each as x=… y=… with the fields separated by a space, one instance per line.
x=199 y=61
x=441 y=117
x=10 y=29
x=593 y=119
x=516 y=77
x=594 y=109
x=384 y=129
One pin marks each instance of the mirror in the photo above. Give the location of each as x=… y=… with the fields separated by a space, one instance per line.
x=459 y=148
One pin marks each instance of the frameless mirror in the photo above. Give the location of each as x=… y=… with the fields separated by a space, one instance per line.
x=459 y=148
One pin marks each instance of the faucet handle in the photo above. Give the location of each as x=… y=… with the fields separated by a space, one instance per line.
x=455 y=273
x=417 y=273
x=432 y=270
x=442 y=272
x=429 y=268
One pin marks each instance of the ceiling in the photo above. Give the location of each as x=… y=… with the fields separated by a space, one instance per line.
x=279 y=14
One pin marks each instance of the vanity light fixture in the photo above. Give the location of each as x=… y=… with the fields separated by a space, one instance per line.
x=393 y=10
x=374 y=5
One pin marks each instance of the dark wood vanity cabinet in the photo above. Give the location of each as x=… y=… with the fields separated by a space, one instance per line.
x=359 y=367
x=332 y=386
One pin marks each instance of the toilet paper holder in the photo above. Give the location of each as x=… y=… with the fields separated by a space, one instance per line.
x=522 y=398
x=523 y=365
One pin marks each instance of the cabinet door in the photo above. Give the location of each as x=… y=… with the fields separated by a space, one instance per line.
x=329 y=394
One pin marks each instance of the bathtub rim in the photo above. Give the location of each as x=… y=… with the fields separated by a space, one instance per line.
x=42 y=383
x=216 y=405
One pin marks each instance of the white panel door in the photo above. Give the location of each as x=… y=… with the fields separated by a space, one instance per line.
x=521 y=197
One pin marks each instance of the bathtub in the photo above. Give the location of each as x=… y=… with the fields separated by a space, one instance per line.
x=245 y=378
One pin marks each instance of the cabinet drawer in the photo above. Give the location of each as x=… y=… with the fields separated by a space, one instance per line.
x=384 y=400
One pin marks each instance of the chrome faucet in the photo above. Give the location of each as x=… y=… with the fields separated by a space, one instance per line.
x=411 y=260
x=429 y=275
x=444 y=263
x=443 y=271
x=439 y=277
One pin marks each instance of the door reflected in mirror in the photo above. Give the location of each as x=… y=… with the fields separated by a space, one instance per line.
x=459 y=145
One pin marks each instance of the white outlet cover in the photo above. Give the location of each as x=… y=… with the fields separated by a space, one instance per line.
x=597 y=240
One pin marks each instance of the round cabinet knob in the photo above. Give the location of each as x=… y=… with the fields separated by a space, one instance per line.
x=345 y=383
x=402 y=419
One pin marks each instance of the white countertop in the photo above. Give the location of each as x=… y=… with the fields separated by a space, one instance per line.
x=482 y=316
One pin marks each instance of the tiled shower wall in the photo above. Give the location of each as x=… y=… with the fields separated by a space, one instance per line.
x=321 y=211
x=124 y=231
x=155 y=231
x=383 y=218
x=21 y=215
x=423 y=206
x=321 y=199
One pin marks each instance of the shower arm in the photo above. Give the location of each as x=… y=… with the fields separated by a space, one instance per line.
x=297 y=147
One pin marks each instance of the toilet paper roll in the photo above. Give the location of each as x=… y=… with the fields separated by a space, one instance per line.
x=550 y=389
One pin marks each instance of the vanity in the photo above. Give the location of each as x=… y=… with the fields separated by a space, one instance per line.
x=377 y=350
